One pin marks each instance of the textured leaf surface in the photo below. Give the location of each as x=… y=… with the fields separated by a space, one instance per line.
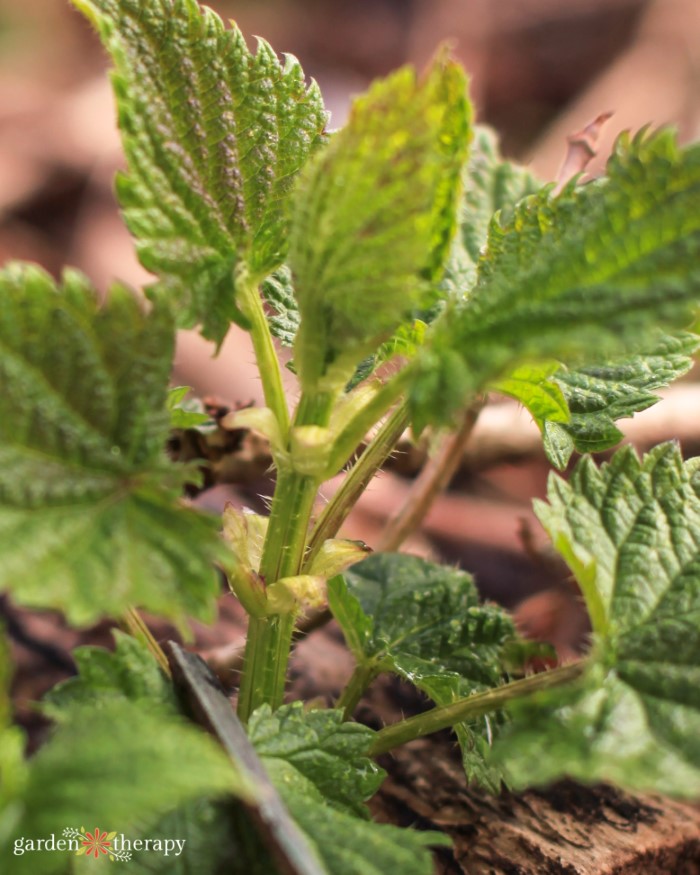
x=598 y=395
x=577 y=408
x=631 y=533
x=128 y=673
x=592 y=273
x=118 y=767
x=89 y=521
x=424 y=622
x=491 y=185
x=214 y=136
x=319 y=767
x=278 y=291
x=374 y=217
x=328 y=752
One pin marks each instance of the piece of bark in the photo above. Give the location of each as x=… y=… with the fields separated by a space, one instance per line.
x=565 y=830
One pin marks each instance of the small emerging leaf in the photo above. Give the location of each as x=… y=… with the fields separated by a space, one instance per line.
x=374 y=216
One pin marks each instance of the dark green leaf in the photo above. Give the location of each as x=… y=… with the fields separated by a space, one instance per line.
x=424 y=622
x=329 y=753
x=89 y=515
x=365 y=245
x=631 y=533
x=319 y=767
x=598 y=395
x=590 y=274
x=214 y=136
x=128 y=673
x=348 y=845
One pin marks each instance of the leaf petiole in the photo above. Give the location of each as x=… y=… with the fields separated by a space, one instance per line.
x=472 y=706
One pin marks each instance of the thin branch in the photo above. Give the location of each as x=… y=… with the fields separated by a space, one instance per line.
x=434 y=477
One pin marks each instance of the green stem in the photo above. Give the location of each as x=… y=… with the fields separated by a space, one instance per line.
x=472 y=706
x=361 y=678
x=265 y=354
x=356 y=481
x=354 y=433
x=269 y=639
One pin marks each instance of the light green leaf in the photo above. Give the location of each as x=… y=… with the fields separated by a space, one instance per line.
x=319 y=767
x=186 y=413
x=424 y=622
x=374 y=217
x=534 y=388
x=116 y=768
x=631 y=533
x=128 y=673
x=214 y=136
x=593 y=273
x=89 y=519
x=329 y=753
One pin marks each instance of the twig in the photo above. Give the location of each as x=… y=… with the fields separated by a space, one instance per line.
x=434 y=477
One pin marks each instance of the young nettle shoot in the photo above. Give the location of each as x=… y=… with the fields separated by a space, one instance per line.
x=404 y=236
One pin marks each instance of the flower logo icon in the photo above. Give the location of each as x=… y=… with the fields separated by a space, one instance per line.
x=96 y=843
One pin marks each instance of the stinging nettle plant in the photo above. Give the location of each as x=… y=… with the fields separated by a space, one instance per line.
x=404 y=237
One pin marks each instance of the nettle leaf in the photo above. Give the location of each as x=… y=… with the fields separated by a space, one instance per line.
x=128 y=673
x=374 y=216
x=630 y=531
x=325 y=750
x=598 y=395
x=214 y=136
x=318 y=765
x=116 y=767
x=424 y=623
x=576 y=408
x=278 y=291
x=592 y=273
x=89 y=520
x=491 y=185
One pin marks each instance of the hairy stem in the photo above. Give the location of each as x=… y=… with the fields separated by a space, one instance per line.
x=472 y=706
x=354 y=433
x=269 y=639
x=266 y=356
x=361 y=678
x=357 y=479
x=434 y=477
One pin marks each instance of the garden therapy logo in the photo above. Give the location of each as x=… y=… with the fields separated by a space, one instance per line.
x=99 y=843
x=96 y=843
